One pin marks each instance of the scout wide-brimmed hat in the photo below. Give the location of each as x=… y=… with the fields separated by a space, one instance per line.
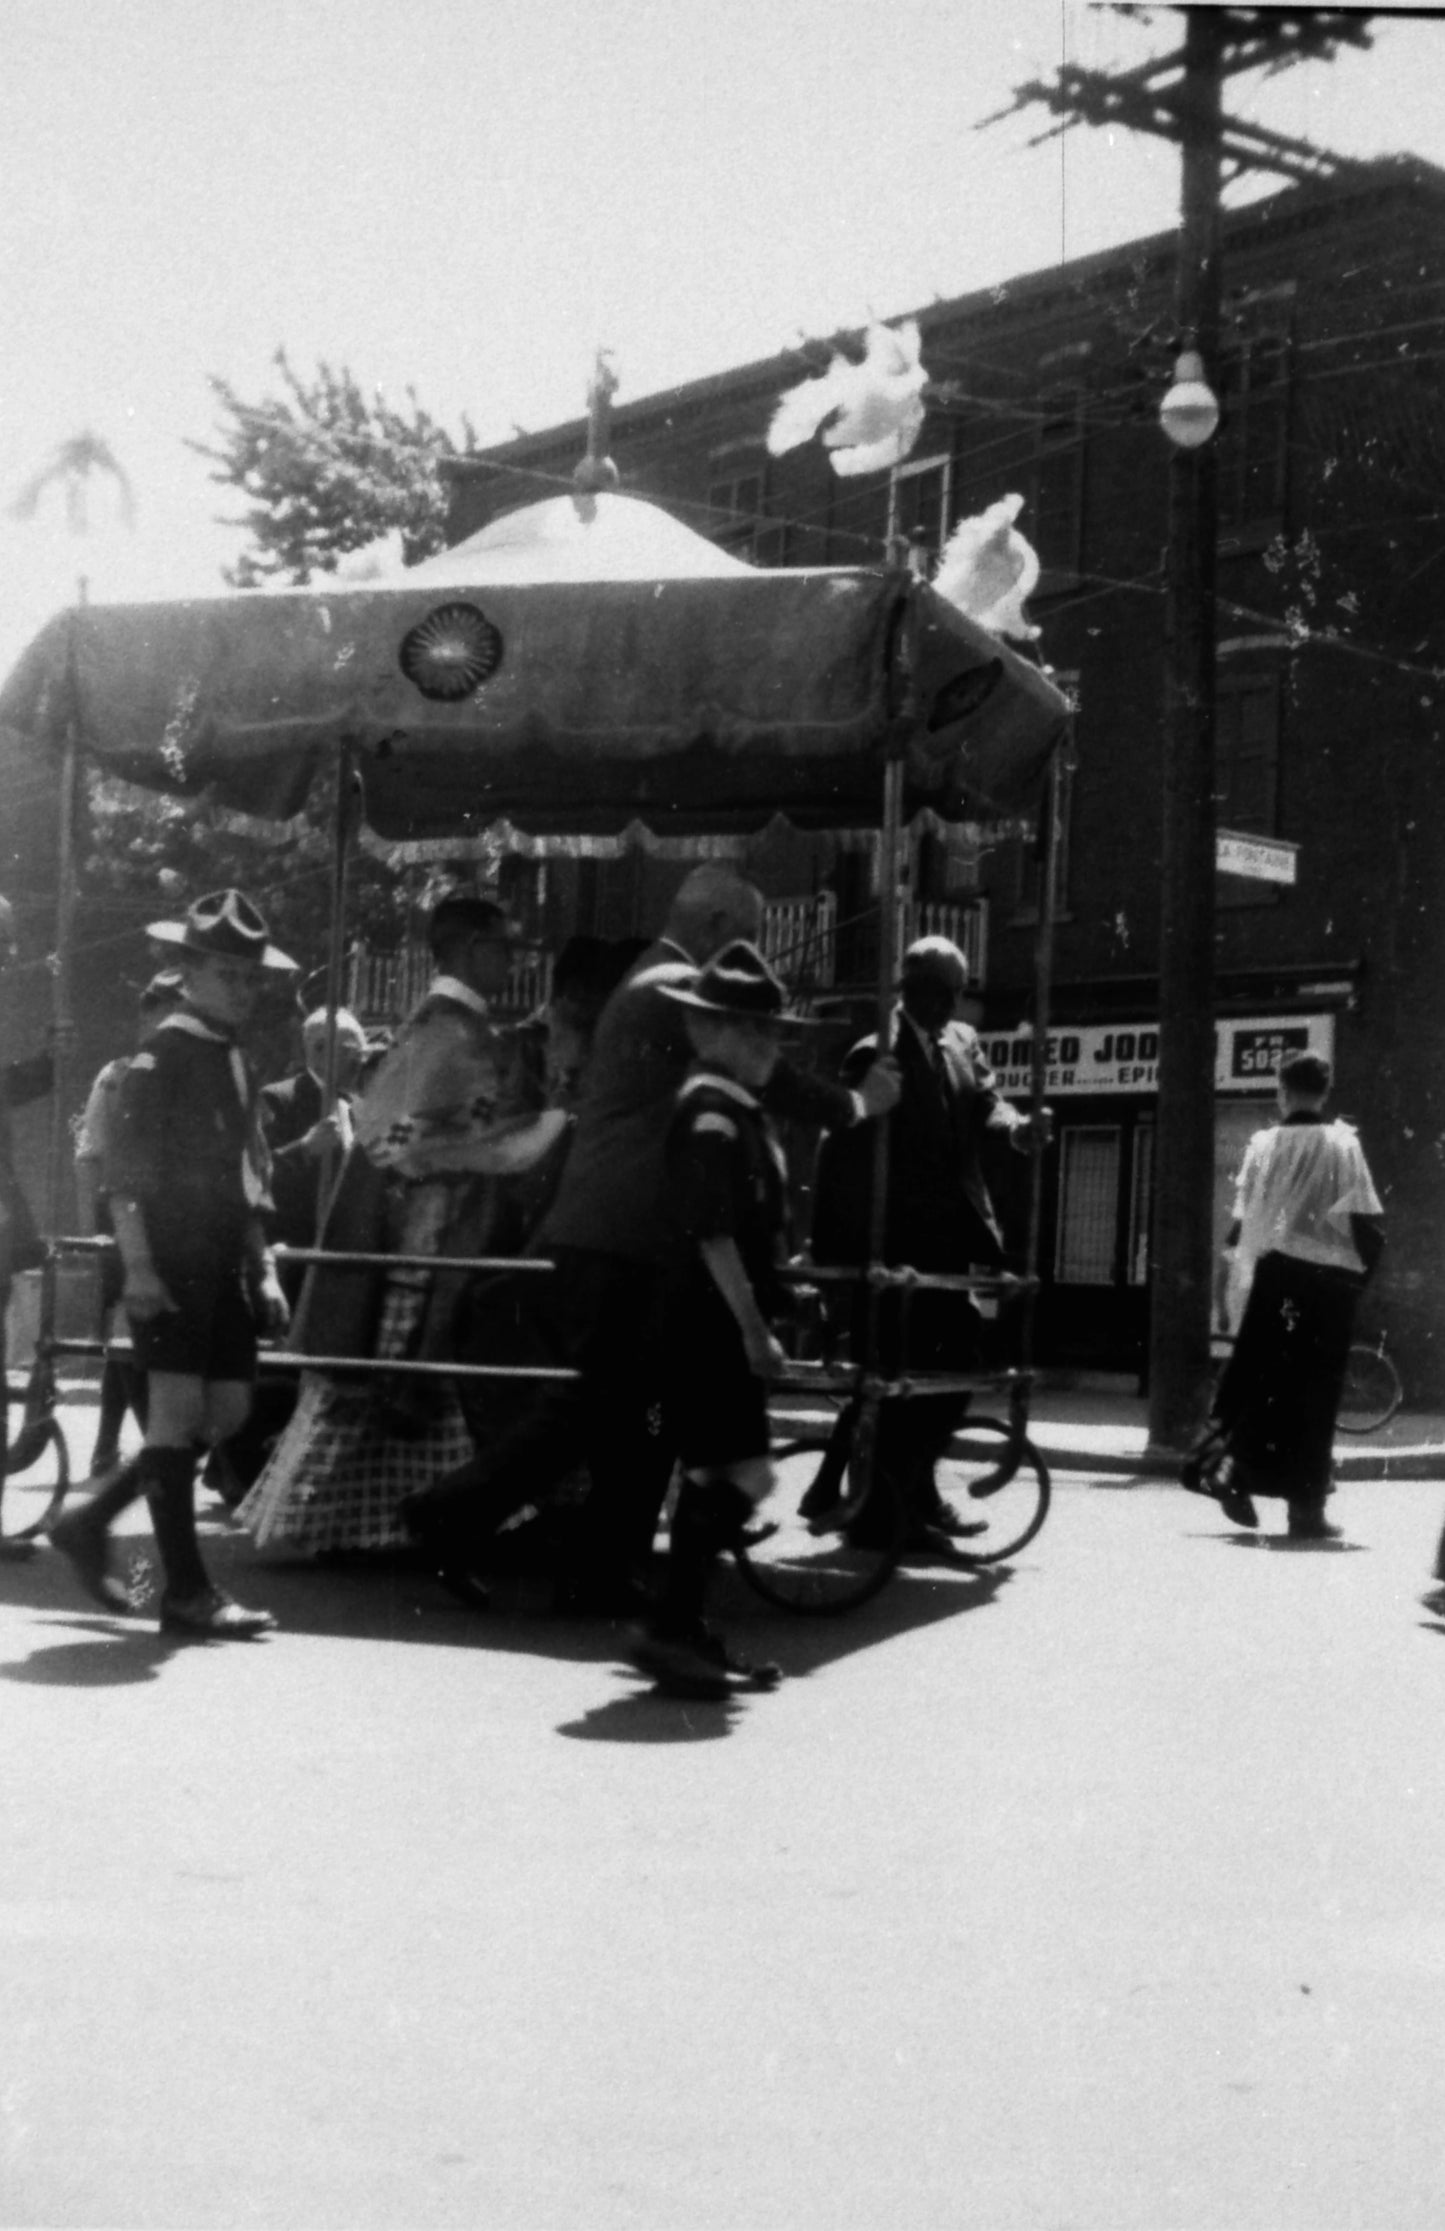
x=738 y=982
x=225 y=926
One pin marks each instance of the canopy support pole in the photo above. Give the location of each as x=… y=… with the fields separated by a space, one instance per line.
x=342 y=831
x=63 y=980
x=1050 y=832
x=890 y=881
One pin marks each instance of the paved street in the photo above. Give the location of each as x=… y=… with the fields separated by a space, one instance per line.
x=1105 y=1893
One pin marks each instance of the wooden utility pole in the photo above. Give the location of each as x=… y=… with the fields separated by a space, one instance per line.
x=1180 y=96
x=1181 y=1255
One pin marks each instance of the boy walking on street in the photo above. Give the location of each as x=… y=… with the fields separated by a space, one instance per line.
x=726 y=1195
x=188 y=1192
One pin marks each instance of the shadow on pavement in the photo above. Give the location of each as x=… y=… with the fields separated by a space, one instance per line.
x=800 y=1645
x=113 y=1654
x=645 y=1715
x=383 y=1598
x=1285 y=1542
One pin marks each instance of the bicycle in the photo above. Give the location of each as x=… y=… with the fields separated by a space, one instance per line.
x=1372 y=1391
x=820 y=1548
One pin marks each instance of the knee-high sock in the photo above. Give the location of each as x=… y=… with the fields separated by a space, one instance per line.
x=114 y=1402
x=116 y=1495
x=168 y=1476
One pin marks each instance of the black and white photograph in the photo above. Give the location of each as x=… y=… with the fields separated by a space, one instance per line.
x=722 y=1115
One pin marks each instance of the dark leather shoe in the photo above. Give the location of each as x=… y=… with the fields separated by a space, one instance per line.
x=696 y=1662
x=1313 y=1527
x=460 y=1582
x=428 y=1528
x=944 y=1519
x=681 y=1665
x=824 y=1493
x=1237 y=1506
x=420 y=1520
x=927 y=1541
x=211 y=1616
x=618 y=1598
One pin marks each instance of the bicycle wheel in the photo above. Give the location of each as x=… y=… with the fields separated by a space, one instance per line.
x=1372 y=1392
x=814 y=1562
x=36 y=1480
x=1007 y=1487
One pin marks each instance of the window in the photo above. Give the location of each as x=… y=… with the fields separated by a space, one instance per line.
x=947 y=862
x=1141 y=1196
x=1087 y=1241
x=1253 y=444
x=737 y=504
x=1054 y=521
x=1246 y=751
x=1246 y=778
x=1028 y=884
x=918 y=503
x=522 y=890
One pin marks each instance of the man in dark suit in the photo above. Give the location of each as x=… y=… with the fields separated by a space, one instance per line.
x=298 y=1130
x=610 y=1236
x=939 y=1218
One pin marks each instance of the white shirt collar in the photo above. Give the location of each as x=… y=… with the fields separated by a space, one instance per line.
x=452 y=987
x=195 y=1026
x=713 y=1080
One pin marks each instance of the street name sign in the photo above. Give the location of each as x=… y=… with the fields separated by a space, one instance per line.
x=1265 y=859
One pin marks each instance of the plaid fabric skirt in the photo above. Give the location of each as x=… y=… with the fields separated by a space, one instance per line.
x=352 y=1452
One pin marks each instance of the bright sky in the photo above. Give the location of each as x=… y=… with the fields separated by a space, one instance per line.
x=468 y=196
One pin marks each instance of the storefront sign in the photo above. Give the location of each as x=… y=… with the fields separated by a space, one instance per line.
x=1124 y=1057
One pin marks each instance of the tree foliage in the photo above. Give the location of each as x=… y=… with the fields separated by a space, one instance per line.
x=327 y=469
x=174 y=849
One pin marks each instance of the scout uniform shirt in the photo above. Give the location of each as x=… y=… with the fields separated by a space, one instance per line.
x=726 y=1179
x=187 y=1143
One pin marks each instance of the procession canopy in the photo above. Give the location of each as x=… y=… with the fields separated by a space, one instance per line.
x=580 y=665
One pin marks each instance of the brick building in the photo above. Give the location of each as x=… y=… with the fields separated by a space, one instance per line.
x=1331 y=667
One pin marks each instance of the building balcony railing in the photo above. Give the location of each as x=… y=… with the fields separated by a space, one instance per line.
x=964 y=922
x=803 y=938
x=383 y=986
x=800 y=938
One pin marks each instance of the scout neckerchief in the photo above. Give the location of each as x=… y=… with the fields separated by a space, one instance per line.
x=195 y=1026
x=452 y=987
x=715 y=1080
